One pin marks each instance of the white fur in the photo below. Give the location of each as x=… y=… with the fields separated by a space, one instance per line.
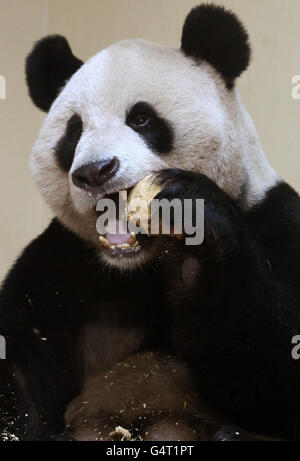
x=213 y=132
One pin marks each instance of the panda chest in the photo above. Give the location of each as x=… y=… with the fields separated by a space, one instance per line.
x=108 y=336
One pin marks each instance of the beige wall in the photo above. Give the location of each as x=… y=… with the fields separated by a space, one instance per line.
x=90 y=25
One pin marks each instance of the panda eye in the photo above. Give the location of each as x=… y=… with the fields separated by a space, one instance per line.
x=156 y=131
x=140 y=121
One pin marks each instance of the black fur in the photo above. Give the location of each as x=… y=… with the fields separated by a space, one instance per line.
x=233 y=327
x=56 y=288
x=49 y=65
x=216 y=35
x=157 y=132
x=152 y=396
x=65 y=148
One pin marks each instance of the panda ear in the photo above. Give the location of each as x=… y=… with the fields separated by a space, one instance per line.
x=49 y=65
x=216 y=35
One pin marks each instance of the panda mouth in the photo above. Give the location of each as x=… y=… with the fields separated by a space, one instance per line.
x=121 y=243
x=114 y=243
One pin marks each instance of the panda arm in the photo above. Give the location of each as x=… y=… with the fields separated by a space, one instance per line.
x=39 y=375
x=235 y=325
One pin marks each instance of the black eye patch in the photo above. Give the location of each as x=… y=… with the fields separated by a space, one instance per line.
x=155 y=130
x=65 y=148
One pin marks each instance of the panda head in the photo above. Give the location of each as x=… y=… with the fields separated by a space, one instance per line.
x=138 y=107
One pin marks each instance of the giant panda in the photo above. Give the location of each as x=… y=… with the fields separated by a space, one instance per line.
x=83 y=322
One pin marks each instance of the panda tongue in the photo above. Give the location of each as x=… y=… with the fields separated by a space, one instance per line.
x=120 y=236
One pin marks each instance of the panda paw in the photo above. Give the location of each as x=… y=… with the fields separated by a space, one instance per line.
x=221 y=219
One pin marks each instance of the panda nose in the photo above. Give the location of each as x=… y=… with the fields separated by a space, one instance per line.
x=95 y=174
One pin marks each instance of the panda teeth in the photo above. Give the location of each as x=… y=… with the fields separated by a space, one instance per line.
x=123 y=246
x=132 y=239
x=104 y=242
x=132 y=243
